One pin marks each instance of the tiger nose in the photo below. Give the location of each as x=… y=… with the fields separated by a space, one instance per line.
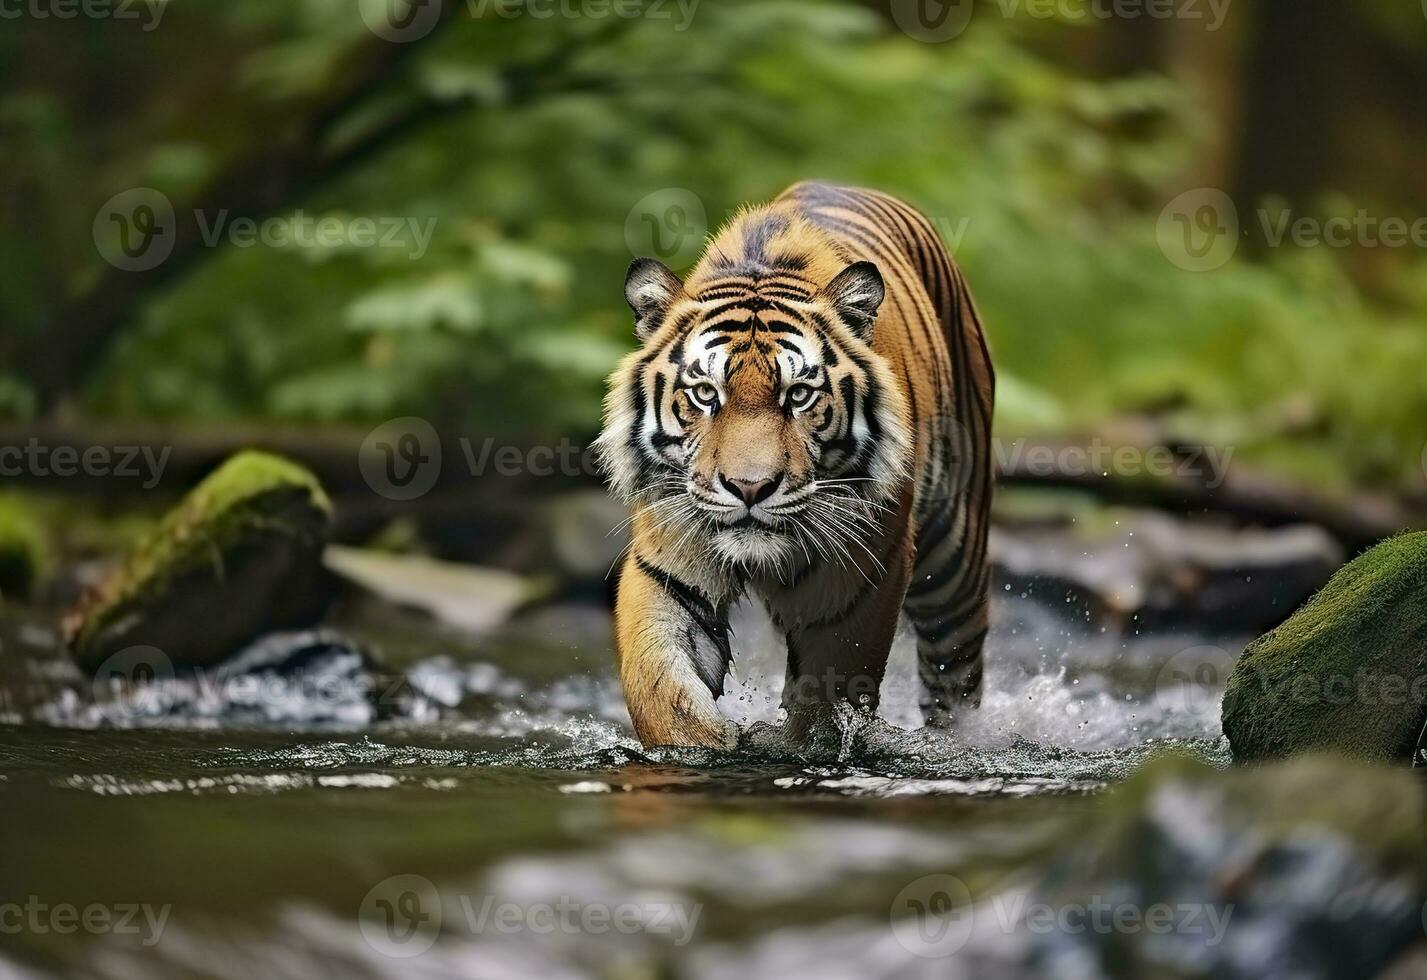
x=752 y=491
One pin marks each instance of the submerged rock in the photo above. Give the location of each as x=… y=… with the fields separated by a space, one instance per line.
x=1160 y=572
x=294 y=679
x=1311 y=868
x=468 y=597
x=240 y=555
x=1347 y=672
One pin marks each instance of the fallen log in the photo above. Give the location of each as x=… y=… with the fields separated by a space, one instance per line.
x=1183 y=482
x=477 y=471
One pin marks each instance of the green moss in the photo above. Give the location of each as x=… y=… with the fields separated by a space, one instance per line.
x=251 y=492
x=215 y=567
x=1347 y=671
x=24 y=549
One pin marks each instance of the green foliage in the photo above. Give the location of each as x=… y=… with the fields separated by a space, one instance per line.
x=1048 y=184
x=24 y=550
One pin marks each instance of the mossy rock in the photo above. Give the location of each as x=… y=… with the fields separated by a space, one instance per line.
x=240 y=555
x=1347 y=672
x=23 y=549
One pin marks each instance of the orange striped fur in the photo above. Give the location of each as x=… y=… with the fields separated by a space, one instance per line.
x=807 y=421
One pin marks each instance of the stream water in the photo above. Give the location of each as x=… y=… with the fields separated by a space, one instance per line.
x=502 y=822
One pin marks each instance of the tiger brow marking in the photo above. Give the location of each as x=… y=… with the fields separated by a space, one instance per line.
x=729 y=282
x=723 y=309
x=725 y=292
x=783 y=274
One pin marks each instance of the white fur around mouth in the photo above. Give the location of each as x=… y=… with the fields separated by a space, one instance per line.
x=756 y=547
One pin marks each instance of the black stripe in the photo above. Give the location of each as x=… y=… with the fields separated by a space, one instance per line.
x=707 y=617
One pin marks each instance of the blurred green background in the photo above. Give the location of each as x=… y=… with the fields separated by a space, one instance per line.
x=529 y=138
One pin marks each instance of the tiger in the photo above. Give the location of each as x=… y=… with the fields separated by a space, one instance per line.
x=805 y=422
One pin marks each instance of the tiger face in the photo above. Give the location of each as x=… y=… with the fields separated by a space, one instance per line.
x=756 y=415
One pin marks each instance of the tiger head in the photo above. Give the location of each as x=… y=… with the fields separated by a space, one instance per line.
x=756 y=411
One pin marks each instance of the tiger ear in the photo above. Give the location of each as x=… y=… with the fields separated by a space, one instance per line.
x=650 y=289
x=856 y=293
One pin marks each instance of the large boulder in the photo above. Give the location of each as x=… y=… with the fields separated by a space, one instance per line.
x=1347 y=672
x=239 y=556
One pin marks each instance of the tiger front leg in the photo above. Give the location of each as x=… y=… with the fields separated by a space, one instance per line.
x=672 y=649
x=839 y=661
